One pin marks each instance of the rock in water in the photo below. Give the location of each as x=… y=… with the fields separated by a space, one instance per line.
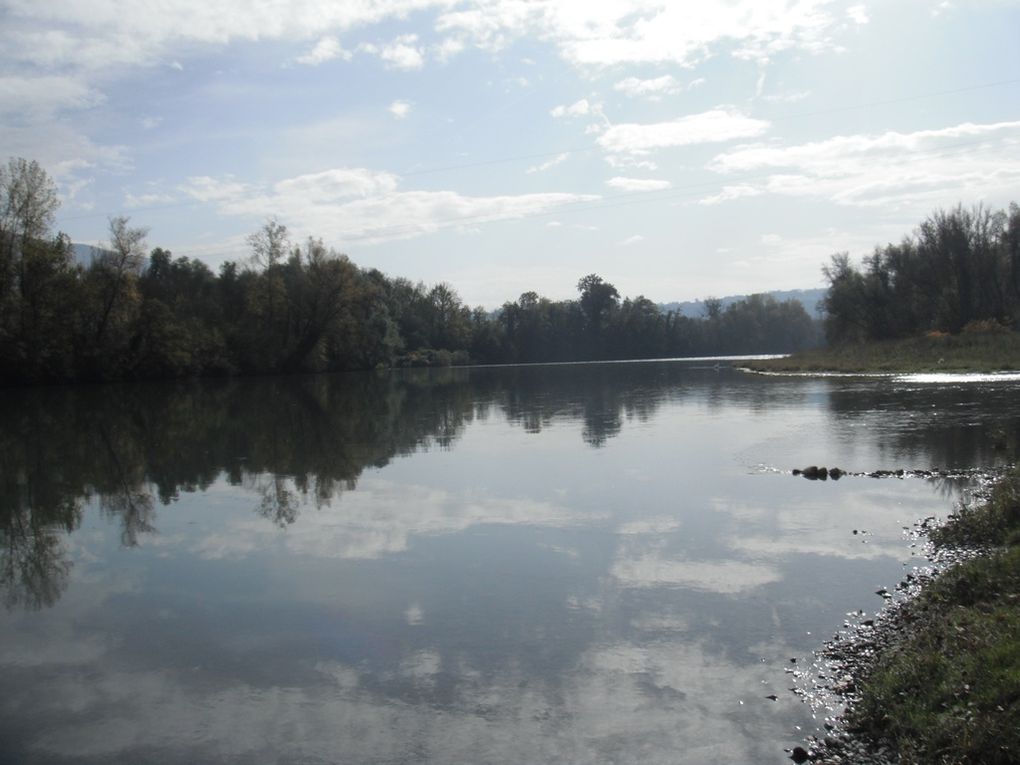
x=799 y=755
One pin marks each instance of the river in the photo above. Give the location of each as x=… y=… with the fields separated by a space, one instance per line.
x=585 y=563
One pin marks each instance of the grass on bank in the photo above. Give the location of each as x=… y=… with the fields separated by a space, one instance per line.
x=973 y=351
x=948 y=691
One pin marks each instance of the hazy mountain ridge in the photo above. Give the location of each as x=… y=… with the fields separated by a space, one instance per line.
x=84 y=253
x=695 y=309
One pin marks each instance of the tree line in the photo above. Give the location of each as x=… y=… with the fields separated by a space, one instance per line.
x=135 y=313
x=958 y=272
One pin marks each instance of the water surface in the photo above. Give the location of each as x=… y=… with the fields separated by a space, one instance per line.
x=602 y=563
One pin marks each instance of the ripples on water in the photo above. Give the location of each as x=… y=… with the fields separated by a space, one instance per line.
x=585 y=563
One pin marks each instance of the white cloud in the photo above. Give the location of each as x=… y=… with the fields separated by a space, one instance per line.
x=489 y=25
x=402 y=53
x=327 y=49
x=732 y=192
x=207 y=189
x=788 y=97
x=41 y=97
x=772 y=535
x=357 y=204
x=400 y=109
x=422 y=666
x=646 y=695
x=858 y=14
x=70 y=157
x=135 y=201
x=918 y=169
x=645 y=31
x=653 y=88
x=448 y=48
x=150 y=123
x=638 y=184
x=631 y=163
x=631 y=240
x=414 y=615
x=580 y=108
x=713 y=126
x=104 y=33
x=71 y=189
x=338 y=184
x=559 y=159
x=802 y=254
x=382 y=518
x=650 y=569
x=831 y=153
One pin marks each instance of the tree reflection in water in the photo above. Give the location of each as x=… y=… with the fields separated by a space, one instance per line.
x=34 y=567
x=303 y=441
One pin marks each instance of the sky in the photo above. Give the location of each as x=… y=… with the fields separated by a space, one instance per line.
x=677 y=149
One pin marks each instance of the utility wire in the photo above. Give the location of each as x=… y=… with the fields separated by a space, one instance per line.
x=625 y=199
x=594 y=146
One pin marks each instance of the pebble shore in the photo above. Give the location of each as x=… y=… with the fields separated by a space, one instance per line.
x=830 y=683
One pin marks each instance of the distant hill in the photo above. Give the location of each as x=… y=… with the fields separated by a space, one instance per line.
x=83 y=253
x=808 y=298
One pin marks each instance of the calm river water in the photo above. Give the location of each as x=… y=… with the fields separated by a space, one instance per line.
x=598 y=563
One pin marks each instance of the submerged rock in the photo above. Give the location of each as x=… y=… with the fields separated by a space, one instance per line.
x=799 y=755
x=816 y=473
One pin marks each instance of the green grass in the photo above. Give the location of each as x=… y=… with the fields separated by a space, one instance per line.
x=995 y=523
x=948 y=689
x=966 y=352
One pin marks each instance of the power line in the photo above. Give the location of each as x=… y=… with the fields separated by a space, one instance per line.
x=595 y=146
x=902 y=100
x=629 y=198
x=614 y=201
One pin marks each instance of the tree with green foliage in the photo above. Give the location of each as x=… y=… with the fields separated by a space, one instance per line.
x=28 y=204
x=112 y=301
x=960 y=268
x=128 y=316
x=35 y=274
x=319 y=286
x=598 y=301
x=449 y=320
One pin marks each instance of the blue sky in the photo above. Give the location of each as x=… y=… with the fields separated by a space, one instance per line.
x=677 y=149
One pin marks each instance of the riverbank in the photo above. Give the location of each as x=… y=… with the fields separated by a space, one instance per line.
x=936 y=678
x=935 y=352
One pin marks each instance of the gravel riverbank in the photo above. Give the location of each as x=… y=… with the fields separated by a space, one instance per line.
x=935 y=676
